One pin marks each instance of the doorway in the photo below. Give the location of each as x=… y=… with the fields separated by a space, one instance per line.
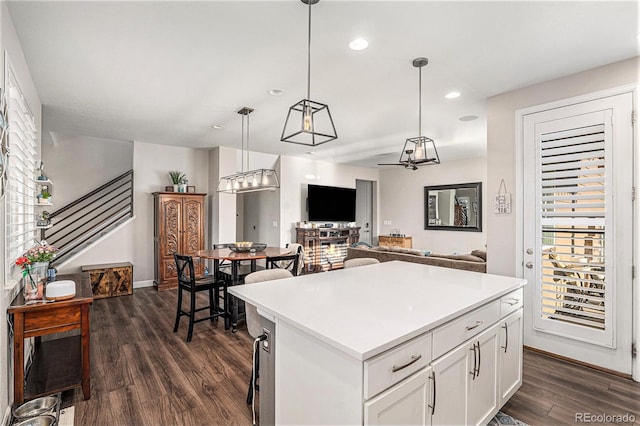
x=577 y=221
x=365 y=210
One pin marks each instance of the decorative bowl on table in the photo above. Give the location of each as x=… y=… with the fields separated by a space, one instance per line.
x=247 y=247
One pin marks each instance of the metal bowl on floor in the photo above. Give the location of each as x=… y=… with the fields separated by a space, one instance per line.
x=35 y=407
x=46 y=420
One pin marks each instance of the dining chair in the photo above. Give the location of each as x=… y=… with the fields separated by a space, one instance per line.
x=187 y=282
x=360 y=261
x=253 y=321
x=293 y=262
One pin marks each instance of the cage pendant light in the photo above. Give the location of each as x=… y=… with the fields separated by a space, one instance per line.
x=309 y=122
x=251 y=180
x=421 y=150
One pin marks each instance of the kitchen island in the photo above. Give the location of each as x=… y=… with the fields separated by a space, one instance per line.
x=394 y=342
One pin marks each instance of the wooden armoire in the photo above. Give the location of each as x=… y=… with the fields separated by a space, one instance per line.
x=178 y=228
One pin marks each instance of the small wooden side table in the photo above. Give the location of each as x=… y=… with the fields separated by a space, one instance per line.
x=55 y=363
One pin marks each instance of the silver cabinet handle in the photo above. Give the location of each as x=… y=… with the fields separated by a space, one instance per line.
x=471 y=327
x=506 y=337
x=529 y=265
x=413 y=359
x=475 y=362
x=513 y=301
x=433 y=406
x=479 y=360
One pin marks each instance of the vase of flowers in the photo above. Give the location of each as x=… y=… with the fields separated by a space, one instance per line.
x=34 y=264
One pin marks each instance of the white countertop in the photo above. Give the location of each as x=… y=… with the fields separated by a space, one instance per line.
x=366 y=310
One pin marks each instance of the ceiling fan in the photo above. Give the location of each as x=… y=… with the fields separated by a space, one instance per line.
x=410 y=162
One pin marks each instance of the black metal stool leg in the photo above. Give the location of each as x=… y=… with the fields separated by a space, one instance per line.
x=175 y=327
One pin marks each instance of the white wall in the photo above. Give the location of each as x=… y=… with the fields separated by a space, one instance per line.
x=501 y=149
x=402 y=203
x=293 y=187
x=222 y=217
x=9 y=42
x=151 y=164
x=80 y=164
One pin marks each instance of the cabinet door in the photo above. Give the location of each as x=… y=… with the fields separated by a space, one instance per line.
x=121 y=280
x=510 y=355
x=193 y=229
x=452 y=374
x=169 y=235
x=407 y=403
x=483 y=387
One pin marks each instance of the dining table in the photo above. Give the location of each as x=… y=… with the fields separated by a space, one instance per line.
x=235 y=258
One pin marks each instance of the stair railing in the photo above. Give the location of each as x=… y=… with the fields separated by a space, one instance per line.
x=80 y=222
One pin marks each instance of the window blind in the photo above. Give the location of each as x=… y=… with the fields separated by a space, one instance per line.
x=20 y=218
x=572 y=166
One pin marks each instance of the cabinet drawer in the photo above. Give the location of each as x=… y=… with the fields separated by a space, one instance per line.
x=511 y=302
x=390 y=367
x=457 y=331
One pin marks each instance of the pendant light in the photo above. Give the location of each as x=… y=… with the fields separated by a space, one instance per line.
x=422 y=150
x=251 y=180
x=309 y=122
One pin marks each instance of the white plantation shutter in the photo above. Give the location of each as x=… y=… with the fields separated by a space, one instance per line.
x=574 y=200
x=20 y=215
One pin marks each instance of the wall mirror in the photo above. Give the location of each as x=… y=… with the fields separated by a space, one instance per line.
x=455 y=207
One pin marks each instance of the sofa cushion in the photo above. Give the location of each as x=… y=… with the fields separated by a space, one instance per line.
x=481 y=254
x=467 y=257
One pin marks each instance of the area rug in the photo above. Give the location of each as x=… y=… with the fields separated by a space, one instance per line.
x=504 y=419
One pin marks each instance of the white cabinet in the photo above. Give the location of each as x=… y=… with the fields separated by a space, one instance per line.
x=482 y=399
x=466 y=382
x=407 y=403
x=451 y=374
x=510 y=353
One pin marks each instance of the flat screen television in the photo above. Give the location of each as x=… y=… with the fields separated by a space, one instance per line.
x=331 y=204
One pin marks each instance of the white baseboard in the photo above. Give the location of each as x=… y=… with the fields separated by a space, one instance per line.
x=142 y=284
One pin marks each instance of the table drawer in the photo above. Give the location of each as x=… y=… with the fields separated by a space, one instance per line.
x=394 y=365
x=457 y=331
x=50 y=321
x=511 y=302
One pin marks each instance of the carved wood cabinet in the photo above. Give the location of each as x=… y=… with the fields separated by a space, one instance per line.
x=178 y=228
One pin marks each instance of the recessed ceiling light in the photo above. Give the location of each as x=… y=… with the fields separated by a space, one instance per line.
x=217 y=126
x=358 y=44
x=276 y=92
x=468 y=118
x=452 y=95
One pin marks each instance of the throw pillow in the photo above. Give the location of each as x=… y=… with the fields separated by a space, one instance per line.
x=361 y=244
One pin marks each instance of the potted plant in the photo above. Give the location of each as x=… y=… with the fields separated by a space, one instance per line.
x=176 y=179
x=45 y=196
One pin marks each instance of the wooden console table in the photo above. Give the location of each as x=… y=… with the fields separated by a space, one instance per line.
x=55 y=363
x=393 y=241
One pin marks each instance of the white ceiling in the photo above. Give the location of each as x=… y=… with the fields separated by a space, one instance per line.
x=164 y=72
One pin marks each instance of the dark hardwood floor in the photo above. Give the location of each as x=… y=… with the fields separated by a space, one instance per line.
x=144 y=374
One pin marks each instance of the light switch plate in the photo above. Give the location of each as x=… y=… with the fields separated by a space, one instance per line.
x=387 y=222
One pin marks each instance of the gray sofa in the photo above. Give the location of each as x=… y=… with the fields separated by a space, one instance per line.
x=475 y=261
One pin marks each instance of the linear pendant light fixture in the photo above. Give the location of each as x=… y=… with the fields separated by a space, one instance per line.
x=309 y=122
x=252 y=180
